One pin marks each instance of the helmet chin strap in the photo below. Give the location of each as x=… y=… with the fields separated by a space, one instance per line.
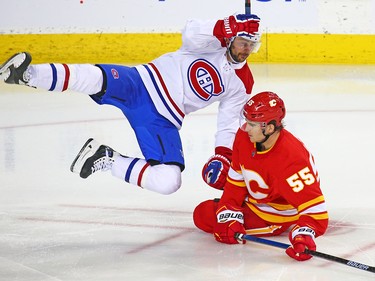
x=260 y=144
x=266 y=137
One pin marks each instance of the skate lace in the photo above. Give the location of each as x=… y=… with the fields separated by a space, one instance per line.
x=103 y=163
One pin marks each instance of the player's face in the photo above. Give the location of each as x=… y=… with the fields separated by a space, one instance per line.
x=241 y=49
x=254 y=130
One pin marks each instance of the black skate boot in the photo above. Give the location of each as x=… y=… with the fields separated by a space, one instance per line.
x=93 y=157
x=13 y=71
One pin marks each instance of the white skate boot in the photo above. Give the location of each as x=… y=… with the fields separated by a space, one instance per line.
x=13 y=71
x=93 y=157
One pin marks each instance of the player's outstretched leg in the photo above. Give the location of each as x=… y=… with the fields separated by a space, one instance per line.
x=13 y=71
x=93 y=157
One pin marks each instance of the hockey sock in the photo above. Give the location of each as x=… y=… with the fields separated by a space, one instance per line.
x=130 y=169
x=161 y=178
x=83 y=78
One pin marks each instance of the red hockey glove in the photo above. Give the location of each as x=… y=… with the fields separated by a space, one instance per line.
x=215 y=171
x=301 y=238
x=237 y=25
x=229 y=222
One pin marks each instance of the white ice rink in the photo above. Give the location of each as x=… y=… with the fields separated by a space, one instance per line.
x=56 y=226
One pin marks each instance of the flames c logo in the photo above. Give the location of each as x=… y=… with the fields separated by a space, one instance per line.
x=204 y=79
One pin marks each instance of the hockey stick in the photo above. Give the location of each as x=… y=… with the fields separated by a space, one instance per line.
x=310 y=252
x=247 y=7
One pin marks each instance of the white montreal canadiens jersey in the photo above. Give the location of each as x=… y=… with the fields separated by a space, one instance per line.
x=195 y=76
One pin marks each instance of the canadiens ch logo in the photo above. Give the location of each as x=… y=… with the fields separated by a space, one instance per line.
x=204 y=79
x=115 y=73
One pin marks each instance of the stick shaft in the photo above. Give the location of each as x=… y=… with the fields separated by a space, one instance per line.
x=265 y=241
x=341 y=260
x=247 y=7
x=310 y=252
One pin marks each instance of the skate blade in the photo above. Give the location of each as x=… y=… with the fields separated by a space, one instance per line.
x=87 y=150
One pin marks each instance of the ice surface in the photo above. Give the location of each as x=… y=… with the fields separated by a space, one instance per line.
x=57 y=226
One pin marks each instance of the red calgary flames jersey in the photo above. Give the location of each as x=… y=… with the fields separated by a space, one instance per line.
x=280 y=185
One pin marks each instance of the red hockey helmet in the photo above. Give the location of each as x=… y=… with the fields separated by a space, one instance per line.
x=264 y=107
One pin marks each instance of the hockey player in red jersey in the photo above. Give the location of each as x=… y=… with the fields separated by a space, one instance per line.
x=209 y=67
x=272 y=185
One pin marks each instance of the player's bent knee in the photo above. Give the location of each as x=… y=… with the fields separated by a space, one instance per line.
x=164 y=179
x=171 y=186
x=172 y=180
x=204 y=215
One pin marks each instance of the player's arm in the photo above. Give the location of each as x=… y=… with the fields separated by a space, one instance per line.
x=197 y=37
x=229 y=214
x=236 y=25
x=303 y=191
x=208 y=35
x=216 y=168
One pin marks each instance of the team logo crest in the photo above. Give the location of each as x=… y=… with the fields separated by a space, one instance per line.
x=115 y=73
x=204 y=79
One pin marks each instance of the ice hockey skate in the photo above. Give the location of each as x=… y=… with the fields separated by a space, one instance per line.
x=93 y=157
x=13 y=71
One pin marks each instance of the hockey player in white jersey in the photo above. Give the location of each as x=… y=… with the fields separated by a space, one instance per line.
x=209 y=67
